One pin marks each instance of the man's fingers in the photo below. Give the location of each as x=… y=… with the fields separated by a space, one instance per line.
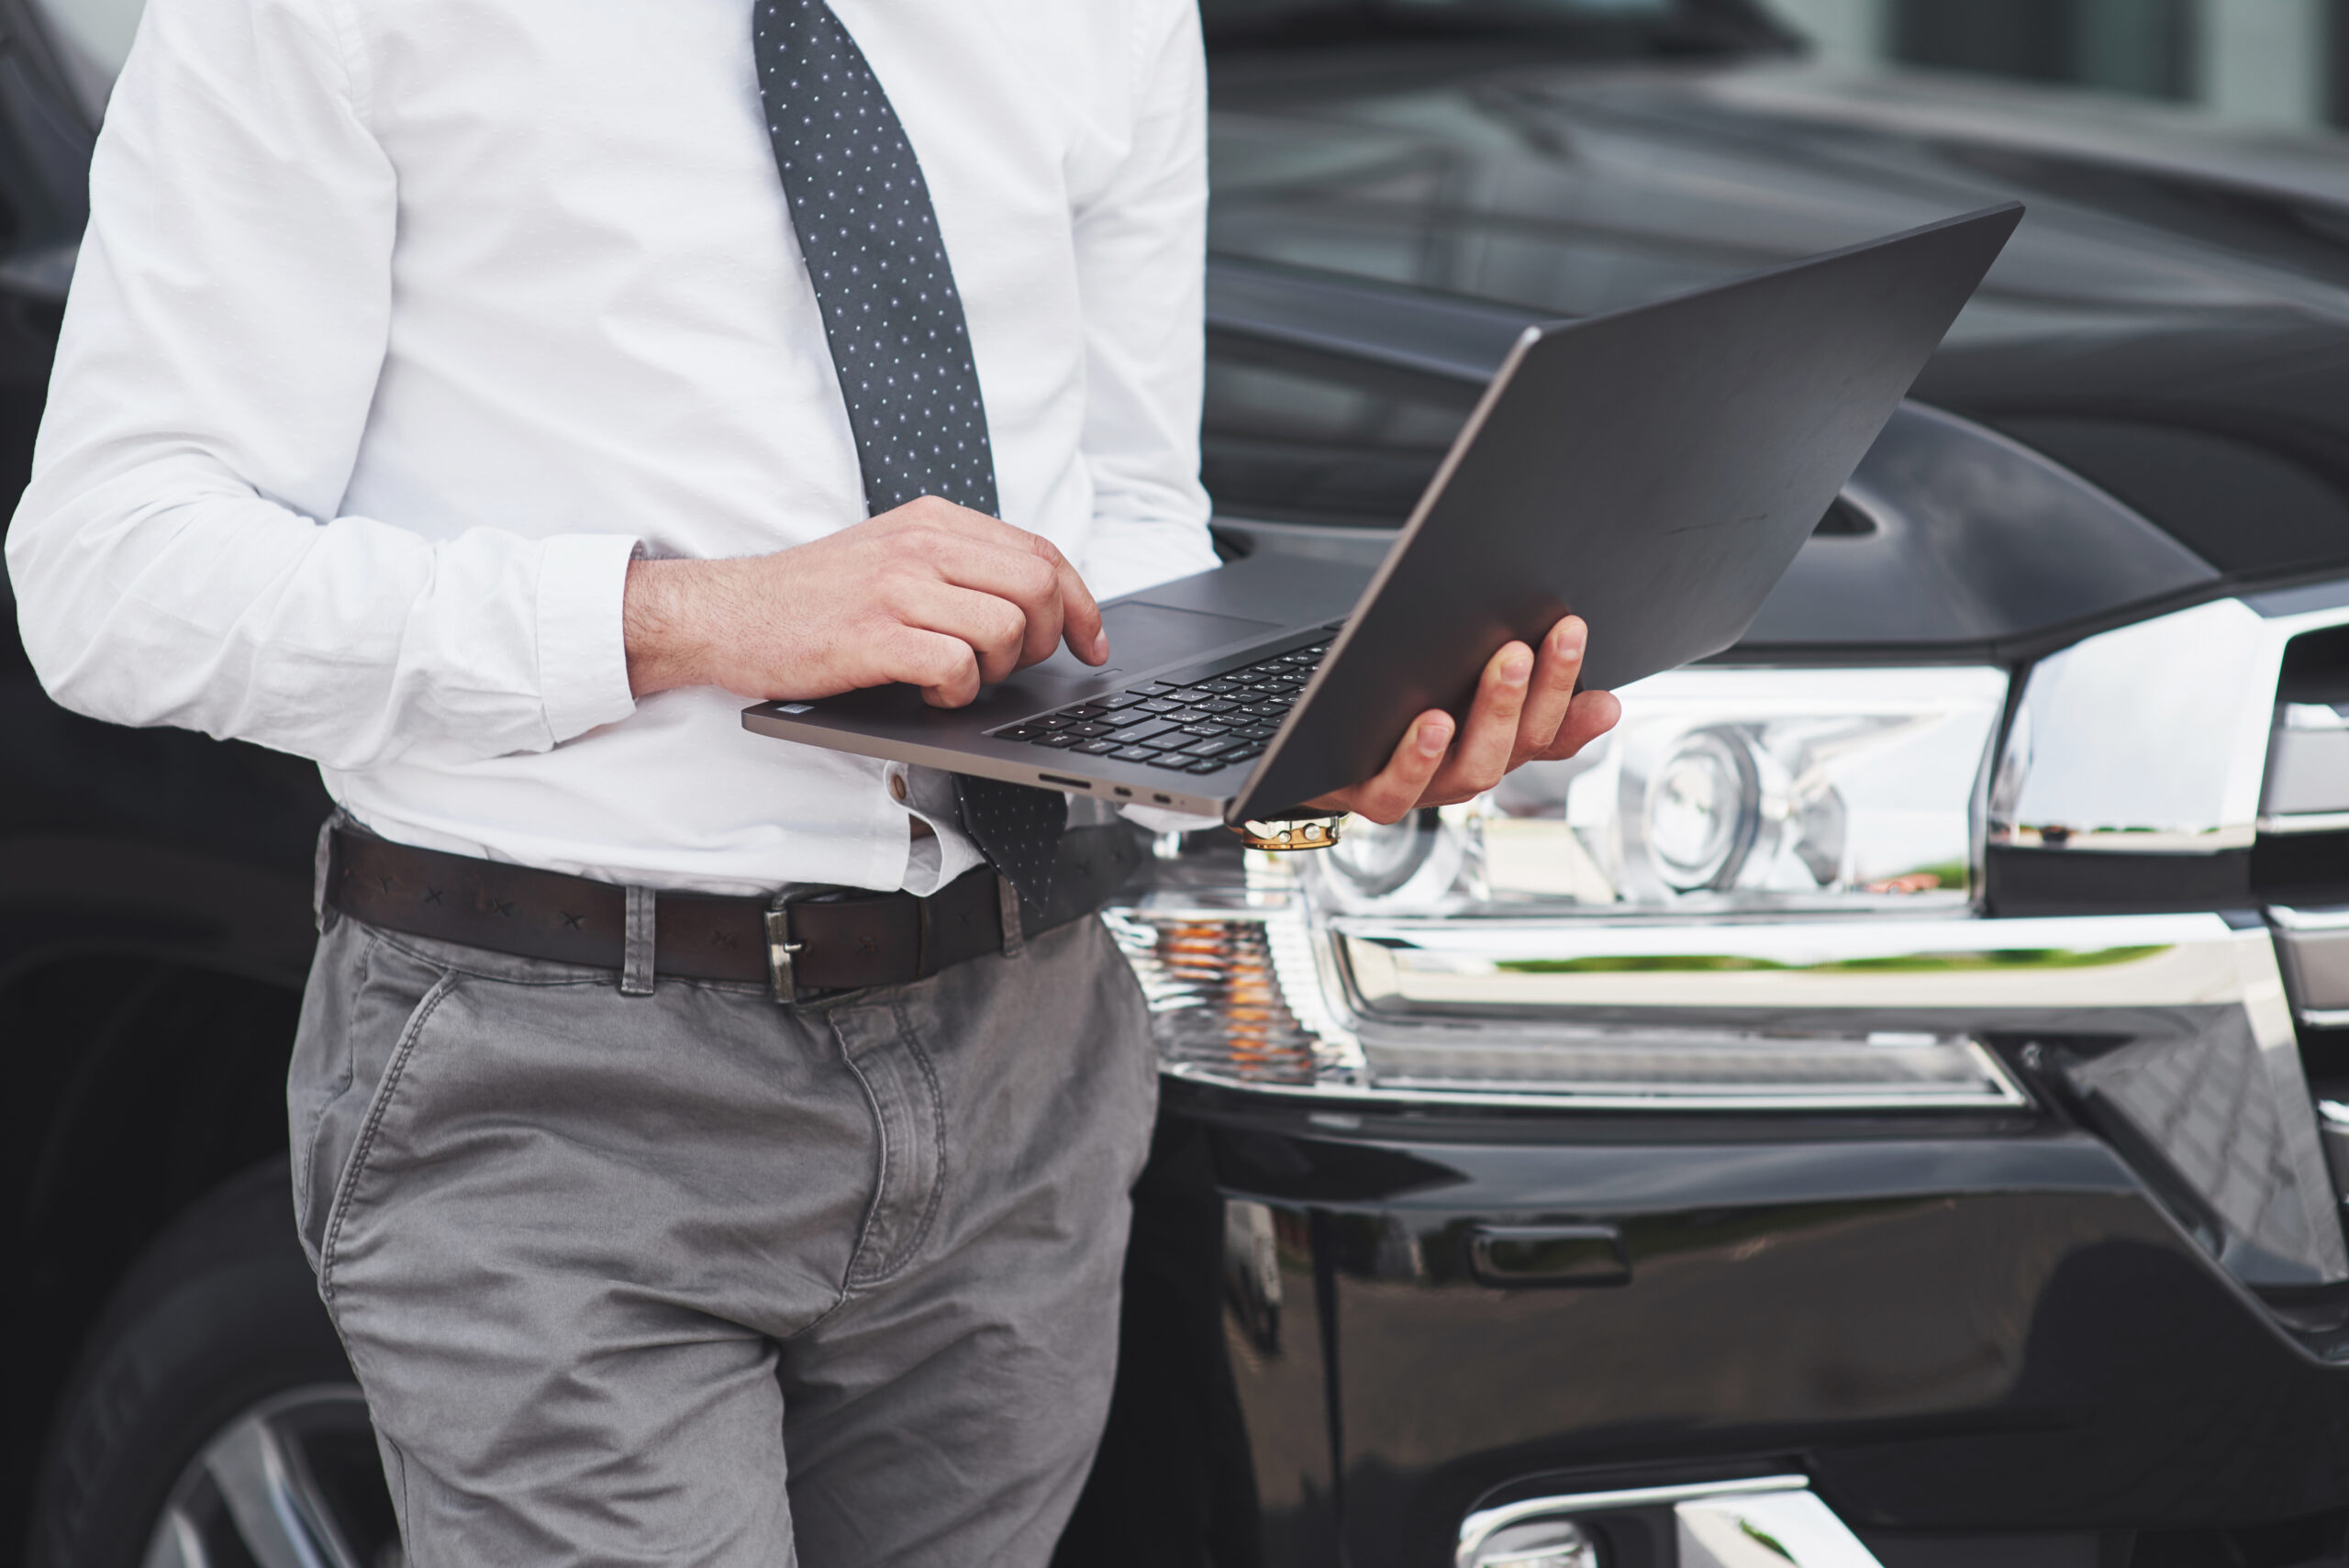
x=943 y=666
x=1592 y=715
x=1552 y=690
x=1488 y=741
x=1080 y=616
x=1009 y=573
x=1395 y=792
x=992 y=627
x=1079 y=621
x=1087 y=639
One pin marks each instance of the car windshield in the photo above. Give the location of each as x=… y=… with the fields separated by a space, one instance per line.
x=1609 y=26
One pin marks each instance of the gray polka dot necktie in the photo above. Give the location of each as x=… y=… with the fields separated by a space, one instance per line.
x=894 y=324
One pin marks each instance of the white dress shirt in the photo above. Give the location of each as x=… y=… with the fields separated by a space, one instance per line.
x=400 y=327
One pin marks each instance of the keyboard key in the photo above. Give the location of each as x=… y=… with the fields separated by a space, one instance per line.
x=1220 y=705
x=1142 y=734
x=1214 y=748
x=1123 y=699
x=1125 y=719
x=1049 y=721
x=1174 y=760
x=1020 y=732
x=1084 y=710
x=1098 y=747
x=1057 y=741
x=1267 y=709
x=1257 y=731
x=1209 y=766
x=1151 y=689
x=1218 y=685
x=1161 y=704
x=1206 y=730
x=1135 y=753
x=1087 y=731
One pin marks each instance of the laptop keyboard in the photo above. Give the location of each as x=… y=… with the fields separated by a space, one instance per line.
x=1198 y=728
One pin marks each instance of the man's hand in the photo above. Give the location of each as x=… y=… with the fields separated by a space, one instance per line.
x=933 y=595
x=1526 y=710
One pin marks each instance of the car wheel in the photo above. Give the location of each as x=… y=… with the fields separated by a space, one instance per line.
x=213 y=1419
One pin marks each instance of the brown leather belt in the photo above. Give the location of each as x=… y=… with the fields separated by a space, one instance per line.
x=821 y=940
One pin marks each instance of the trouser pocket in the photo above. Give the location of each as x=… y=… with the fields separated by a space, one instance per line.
x=367 y=1003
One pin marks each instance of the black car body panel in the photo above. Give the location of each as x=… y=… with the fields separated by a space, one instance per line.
x=1958 y=1332
x=1988 y=1339
x=2172 y=321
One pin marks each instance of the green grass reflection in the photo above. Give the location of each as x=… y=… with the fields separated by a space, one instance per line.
x=1892 y=963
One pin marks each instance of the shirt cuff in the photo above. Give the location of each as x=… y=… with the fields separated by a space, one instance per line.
x=948 y=853
x=583 y=646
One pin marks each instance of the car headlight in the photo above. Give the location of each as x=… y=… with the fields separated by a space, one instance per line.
x=1722 y=791
x=1559 y=936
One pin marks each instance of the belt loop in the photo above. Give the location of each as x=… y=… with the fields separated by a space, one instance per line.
x=636 y=958
x=1006 y=898
x=323 y=914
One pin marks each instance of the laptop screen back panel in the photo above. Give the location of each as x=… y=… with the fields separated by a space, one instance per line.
x=1675 y=454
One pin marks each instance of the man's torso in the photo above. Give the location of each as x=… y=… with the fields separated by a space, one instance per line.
x=601 y=324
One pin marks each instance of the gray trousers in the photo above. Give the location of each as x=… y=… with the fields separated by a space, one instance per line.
x=693 y=1278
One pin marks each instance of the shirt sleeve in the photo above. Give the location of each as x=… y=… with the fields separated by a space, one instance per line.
x=1142 y=257
x=178 y=557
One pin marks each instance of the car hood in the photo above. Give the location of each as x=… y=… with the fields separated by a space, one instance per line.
x=2171 y=322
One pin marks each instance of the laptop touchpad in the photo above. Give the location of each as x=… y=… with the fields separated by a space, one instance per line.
x=1144 y=635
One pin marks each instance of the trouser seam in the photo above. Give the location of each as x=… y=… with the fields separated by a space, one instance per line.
x=904 y=1253
x=881 y=1180
x=938 y=1131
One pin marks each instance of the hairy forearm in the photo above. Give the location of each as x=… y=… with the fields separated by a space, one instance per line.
x=931 y=594
x=671 y=616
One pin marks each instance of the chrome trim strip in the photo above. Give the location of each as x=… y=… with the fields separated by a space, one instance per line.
x=2332 y=918
x=2092 y=761
x=1774 y=1520
x=1998 y=1094
x=1776 y=1529
x=1480 y=1526
x=1394 y=969
x=2306 y=822
x=2313 y=946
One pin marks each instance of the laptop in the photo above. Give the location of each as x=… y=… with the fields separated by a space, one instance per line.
x=1653 y=470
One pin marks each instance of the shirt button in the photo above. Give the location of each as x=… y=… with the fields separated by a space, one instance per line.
x=897 y=787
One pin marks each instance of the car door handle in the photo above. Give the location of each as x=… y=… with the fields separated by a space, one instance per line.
x=1515 y=1256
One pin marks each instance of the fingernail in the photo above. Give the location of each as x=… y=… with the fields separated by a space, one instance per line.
x=1568 y=642
x=1516 y=668
x=1100 y=645
x=1432 y=738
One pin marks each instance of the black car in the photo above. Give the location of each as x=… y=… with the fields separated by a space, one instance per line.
x=1882 y=1106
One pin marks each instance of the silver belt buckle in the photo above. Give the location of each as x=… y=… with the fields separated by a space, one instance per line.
x=780 y=950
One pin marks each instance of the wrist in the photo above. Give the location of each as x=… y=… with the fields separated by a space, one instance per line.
x=662 y=626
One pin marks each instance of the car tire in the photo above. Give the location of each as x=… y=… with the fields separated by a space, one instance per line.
x=213 y=1417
